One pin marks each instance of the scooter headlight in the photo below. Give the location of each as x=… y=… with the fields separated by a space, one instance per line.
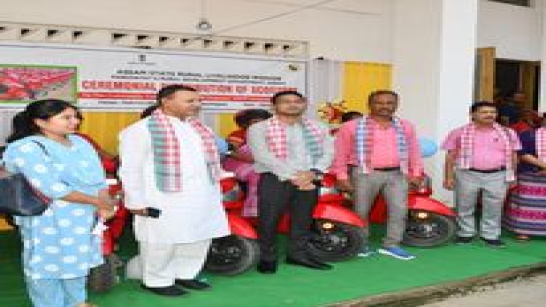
x=327 y=226
x=422 y=215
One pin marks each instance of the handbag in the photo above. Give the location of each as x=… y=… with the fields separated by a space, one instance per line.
x=18 y=196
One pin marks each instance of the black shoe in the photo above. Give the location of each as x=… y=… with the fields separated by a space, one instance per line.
x=496 y=243
x=324 y=264
x=309 y=263
x=463 y=240
x=165 y=291
x=267 y=267
x=192 y=284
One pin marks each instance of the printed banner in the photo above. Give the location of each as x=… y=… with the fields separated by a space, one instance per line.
x=125 y=79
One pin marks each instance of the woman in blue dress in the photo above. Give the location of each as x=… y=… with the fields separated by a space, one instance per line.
x=59 y=246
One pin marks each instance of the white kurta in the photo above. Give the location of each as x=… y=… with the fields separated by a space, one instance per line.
x=194 y=214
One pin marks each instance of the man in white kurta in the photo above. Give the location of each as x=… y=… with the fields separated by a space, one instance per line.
x=173 y=246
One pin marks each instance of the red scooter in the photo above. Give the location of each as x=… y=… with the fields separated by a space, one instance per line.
x=337 y=231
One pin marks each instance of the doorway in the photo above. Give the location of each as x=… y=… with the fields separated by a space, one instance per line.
x=518 y=76
x=495 y=77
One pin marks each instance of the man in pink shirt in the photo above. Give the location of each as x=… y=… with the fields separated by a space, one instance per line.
x=481 y=156
x=380 y=152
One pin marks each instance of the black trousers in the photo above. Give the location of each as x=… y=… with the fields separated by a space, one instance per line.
x=274 y=198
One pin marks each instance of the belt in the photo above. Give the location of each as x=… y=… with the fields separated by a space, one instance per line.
x=488 y=171
x=387 y=169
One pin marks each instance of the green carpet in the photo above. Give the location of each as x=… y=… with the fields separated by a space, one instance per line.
x=299 y=286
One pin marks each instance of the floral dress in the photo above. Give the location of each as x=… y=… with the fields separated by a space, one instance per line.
x=58 y=244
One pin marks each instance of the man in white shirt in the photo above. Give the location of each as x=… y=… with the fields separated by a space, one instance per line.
x=170 y=173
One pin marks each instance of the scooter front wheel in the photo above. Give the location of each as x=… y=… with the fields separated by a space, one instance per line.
x=333 y=241
x=428 y=229
x=232 y=255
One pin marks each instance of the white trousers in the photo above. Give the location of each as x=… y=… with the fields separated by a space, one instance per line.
x=158 y=265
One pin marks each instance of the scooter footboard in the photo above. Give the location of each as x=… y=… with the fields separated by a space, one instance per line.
x=241 y=227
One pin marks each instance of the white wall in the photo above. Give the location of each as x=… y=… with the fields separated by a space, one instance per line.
x=355 y=30
x=514 y=30
x=416 y=60
x=434 y=70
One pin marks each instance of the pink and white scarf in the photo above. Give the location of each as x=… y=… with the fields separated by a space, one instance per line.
x=277 y=139
x=167 y=154
x=540 y=143
x=364 y=143
x=466 y=151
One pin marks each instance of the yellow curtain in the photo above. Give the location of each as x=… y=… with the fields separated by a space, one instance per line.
x=360 y=79
x=225 y=124
x=104 y=127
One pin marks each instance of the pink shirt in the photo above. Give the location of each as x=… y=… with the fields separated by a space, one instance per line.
x=488 y=150
x=384 y=152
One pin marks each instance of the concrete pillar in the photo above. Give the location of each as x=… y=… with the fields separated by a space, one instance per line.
x=434 y=60
x=542 y=90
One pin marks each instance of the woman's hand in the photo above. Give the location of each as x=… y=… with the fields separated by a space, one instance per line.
x=106 y=205
x=106 y=214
